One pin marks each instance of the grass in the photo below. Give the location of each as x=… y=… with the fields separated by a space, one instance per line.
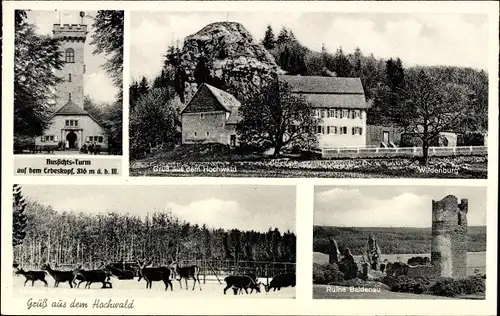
x=192 y=160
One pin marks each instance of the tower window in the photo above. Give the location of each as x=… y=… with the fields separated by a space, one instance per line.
x=70 y=55
x=69 y=96
x=69 y=77
x=459 y=219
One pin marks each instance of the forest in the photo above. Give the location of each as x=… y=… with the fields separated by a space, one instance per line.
x=392 y=89
x=42 y=234
x=393 y=240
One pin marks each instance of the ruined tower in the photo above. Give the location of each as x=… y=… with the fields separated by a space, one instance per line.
x=449 y=237
x=72 y=39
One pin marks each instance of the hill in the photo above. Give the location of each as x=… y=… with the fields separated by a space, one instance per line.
x=392 y=240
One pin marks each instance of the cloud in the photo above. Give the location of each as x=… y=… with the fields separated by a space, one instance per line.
x=348 y=207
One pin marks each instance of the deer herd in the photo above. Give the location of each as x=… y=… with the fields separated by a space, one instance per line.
x=142 y=269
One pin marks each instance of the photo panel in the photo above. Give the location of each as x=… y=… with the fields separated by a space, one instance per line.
x=68 y=92
x=138 y=241
x=404 y=242
x=308 y=94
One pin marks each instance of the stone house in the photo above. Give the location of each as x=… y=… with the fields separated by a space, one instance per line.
x=71 y=124
x=341 y=105
x=210 y=116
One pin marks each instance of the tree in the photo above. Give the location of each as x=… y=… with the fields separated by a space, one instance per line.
x=275 y=118
x=283 y=37
x=342 y=66
x=35 y=58
x=19 y=219
x=154 y=121
x=269 y=40
x=430 y=106
x=108 y=39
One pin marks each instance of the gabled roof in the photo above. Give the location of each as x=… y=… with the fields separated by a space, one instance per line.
x=328 y=92
x=71 y=108
x=225 y=100
x=323 y=85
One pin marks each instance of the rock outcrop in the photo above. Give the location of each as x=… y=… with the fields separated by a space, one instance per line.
x=231 y=55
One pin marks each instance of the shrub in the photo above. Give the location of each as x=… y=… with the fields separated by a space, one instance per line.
x=406 y=284
x=450 y=287
x=327 y=274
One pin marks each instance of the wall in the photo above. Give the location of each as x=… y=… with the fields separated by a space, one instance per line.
x=86 y=127
x=75 y=87
x=212 y=122
x=337 y=140
x=375 y=135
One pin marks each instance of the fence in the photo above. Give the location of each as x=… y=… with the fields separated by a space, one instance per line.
x=376 y=152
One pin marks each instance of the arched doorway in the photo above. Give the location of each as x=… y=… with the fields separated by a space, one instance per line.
x=71 y=138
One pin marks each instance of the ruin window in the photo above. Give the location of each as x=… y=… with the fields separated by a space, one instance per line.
x=459 y=219
x=70 y=55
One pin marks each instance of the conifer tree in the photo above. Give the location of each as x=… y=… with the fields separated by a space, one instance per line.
x=269 y=41
x=19 y=220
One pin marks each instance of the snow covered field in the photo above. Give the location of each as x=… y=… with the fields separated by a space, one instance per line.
x=133 y=288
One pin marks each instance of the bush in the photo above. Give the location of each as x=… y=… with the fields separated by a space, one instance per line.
x=471 y=139
x=327 y=274
x=450 y=287
x=406 y=284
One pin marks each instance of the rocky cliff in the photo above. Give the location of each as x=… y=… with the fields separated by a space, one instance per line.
x=231 y=56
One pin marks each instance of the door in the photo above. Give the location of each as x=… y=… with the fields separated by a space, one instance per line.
x=232 y=140
x=386 y=137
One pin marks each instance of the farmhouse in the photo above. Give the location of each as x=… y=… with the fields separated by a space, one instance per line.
x=210 y=116
x=341 y=105
x=71 y=125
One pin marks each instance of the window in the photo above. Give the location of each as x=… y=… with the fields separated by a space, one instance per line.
x=357 y=114
x=338 y=114
x=70 y=55
x=101 y=139
x=345 y=113
x=69 y=77
x=48 y=138
x=69 y=96
x=208 y=133
x=320 y=129
x=70 y=123
x=317 y=112
x=343 y=130
x=333 y=130
x=195 y=134
x=328 y=129
x=202 y=115
x=357 y=131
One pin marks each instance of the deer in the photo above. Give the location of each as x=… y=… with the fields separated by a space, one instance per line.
x=186 y=273
x=32 y=276
x=241 y=283
x=60 y=276
x=281 y=280
x=119 y=273
x=154 y=274
x=92 y=276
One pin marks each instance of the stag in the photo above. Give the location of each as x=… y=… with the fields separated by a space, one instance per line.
x=154 y=274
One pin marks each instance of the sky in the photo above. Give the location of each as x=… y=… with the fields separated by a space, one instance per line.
x=423 y=39
x=391 y=206
x=97 y=84
x=242 y=207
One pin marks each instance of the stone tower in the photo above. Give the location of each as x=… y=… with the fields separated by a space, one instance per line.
x=72 y=41
x=449 y=237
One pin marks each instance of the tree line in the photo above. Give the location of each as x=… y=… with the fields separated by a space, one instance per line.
x=69 y=238
x=422 y=101
x=36 y=57
x=402 y=240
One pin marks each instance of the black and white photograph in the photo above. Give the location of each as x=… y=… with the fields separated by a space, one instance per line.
x=68 y=82
x=154 y=241
x=309 y=94
x=399 y=242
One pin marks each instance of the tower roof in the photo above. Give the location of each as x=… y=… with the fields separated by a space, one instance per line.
x=71 y=108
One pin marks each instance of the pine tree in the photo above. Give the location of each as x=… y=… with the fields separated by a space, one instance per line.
x=283 y=37
x=269 y=41
x=19 y=220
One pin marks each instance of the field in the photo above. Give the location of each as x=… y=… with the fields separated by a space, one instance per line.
x=135 y=289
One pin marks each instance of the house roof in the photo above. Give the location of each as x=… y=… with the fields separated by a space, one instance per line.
x=71 y=108
x=228 y=101
x=328 y=92
x=323 y=85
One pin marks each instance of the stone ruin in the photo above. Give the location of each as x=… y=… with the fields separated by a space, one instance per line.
x=373 y=253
